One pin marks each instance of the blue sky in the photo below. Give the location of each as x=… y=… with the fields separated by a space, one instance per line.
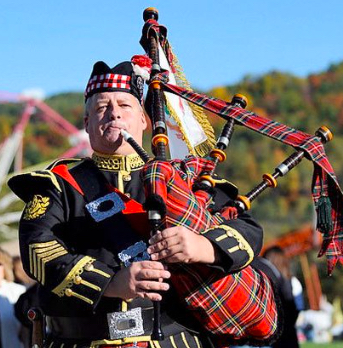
x=52 y=45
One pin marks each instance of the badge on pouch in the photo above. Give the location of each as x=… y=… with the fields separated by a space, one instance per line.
x=134 y=253
x=105 y=207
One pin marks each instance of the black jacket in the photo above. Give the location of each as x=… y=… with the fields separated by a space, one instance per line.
x=74 y=258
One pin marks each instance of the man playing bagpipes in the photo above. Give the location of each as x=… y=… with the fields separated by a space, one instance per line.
x=83 y=235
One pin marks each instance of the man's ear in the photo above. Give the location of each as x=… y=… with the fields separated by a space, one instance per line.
x=144 y=121
x=85 y=122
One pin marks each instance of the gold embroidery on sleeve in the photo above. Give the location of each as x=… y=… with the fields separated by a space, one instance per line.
x=197 y=341
x=172 y=341
x=74 y=277
x=69 y=292
x=156 y=343
x=59 y=252
x=90 y=268
x=242 y=243
x=184 y=339
x=36 y=208
x=42 y=253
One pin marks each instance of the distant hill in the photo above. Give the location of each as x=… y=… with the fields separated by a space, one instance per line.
x=303 y=103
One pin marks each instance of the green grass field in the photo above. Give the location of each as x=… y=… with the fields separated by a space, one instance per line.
x=322 y=345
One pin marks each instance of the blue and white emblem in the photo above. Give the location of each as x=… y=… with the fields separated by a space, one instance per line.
x=105 y=206
x=134 y=253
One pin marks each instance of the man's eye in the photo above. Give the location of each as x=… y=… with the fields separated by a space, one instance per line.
x=101 y=108
x=125 y=105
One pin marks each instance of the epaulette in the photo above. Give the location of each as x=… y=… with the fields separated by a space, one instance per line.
x=26 y=184
x=63 y=161
x=226 y=186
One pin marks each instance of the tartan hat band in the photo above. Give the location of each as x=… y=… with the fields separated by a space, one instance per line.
x=121 y=78
x=108 y=82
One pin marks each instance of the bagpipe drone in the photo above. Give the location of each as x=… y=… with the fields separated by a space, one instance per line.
x=179 y=191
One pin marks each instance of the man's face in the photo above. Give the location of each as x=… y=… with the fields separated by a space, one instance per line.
x=109 y=112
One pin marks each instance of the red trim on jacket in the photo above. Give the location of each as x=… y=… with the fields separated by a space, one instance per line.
x=62 y=171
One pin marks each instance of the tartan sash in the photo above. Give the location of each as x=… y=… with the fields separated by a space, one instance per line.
x=324 y=180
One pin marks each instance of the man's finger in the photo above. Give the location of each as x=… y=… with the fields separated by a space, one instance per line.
x=163 y=244
x=152 y=286
x=163 y=254
x=167 y=233
x=151 y=265
x=153 y=274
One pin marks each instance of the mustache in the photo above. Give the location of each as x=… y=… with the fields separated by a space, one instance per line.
x=116 y=124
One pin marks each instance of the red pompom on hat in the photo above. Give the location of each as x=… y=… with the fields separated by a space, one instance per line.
x=142 y=66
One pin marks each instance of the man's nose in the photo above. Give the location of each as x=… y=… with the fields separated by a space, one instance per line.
x=115 y=114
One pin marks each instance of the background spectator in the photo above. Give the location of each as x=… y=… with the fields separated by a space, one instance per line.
x=278 y=264
x=20 y=275
x=9 y=293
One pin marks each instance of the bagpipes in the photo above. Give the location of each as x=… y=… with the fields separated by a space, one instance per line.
x=179 y=191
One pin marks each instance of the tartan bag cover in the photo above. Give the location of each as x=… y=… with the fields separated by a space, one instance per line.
x=324 y=182
x=173 y=182
x=235 y=306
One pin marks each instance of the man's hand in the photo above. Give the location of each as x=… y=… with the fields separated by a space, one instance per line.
x=178 y=244
x=141 y=279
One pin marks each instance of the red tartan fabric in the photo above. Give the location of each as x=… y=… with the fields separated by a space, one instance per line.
x=237 y=306
x=173 y=182
x=324 y=179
